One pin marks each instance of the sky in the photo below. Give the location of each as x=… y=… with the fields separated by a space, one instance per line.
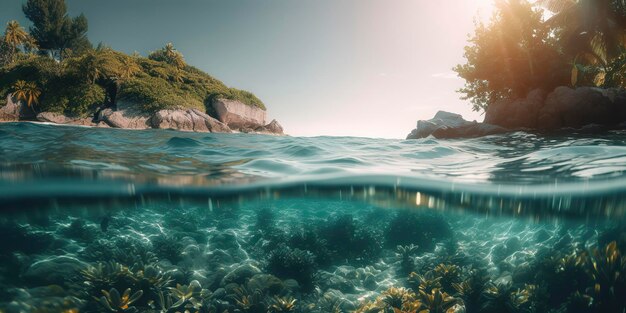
x=368 y=68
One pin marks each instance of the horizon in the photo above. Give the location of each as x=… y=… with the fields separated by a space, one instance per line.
x=322 y=68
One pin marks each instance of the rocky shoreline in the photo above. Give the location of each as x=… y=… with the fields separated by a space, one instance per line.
x=231 y=116
x=584 y=109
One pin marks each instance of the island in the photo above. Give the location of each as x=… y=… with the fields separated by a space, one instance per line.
x=52 y=73
x=545 y=66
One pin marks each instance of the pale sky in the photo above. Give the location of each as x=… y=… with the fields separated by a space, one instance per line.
x=323 y=67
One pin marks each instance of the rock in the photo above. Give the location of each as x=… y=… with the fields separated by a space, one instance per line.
x=370 y=282
x=266 y=282
x=450 y=125
x=328 y=280
x=238 y=115
x=188 y=120
x=567 y=107
x=124 y=119
x=520 y=113
x=58 y=118
x=564 y=107
x=240 y=274
x=14 y=111
x=53 y=270
x=273 y=128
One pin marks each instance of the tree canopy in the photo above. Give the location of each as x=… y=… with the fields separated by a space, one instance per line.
x=519 y=50
x=54 y=30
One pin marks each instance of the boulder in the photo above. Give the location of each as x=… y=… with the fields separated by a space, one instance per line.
x=14 y=111
x=238 y=115
x=189 y=120
x=450 y=125
x=273 y=128
x=567 y=107
x=53 y=270
x=520 y=113
x=124 y=119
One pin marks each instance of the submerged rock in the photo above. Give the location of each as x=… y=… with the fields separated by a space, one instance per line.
x=451 y=125
x=53 y=270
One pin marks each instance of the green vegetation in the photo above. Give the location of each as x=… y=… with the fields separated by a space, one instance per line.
x=64 y=73
x=582 y=43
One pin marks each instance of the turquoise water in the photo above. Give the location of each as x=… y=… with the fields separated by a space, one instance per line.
x=250 y=223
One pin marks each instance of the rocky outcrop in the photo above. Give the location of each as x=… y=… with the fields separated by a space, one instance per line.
x=14 y=111
x=249 y=119
x=562 y=108
x=273 y=128
x=238 y=115
x=58 y=118
x=188 y=120
x=450 y=125
x=124 y=119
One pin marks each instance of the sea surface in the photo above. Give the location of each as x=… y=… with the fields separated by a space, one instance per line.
x=110 y=220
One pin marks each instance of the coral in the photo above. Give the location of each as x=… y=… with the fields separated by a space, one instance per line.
x=282 y=304
x=249 y=300
x=397 y=297
x=167 y=247
x=125 y=250
x=423 y=230
x=297 y=264
x=190 y=296
x=608 y=271
x=265 y=219
x=437 y=302
x=406 y=253
x=113 y=302
x=349 y=240
x=425 y=283
x=308 y=239
x=449 y=274
x=80 y=231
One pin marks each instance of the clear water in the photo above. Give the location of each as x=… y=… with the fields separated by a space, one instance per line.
x=250 y=223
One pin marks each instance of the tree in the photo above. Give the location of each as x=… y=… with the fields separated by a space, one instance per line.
x=54 y=30
x=26 y=91
x=512 y=55
x=15 y=37
x=170 y=55
x=593 y=35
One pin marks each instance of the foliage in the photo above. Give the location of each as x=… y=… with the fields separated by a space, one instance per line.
x=169 y=55
x=27 y=92
x=512 y=55
x=14 y=39
x=54 y=30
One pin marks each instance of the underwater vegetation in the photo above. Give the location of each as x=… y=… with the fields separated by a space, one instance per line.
x=270 y=260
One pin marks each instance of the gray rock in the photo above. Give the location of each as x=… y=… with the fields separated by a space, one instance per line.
x=450 y=125
x=520 y=113
x=58 y=118
x=567 y=107
x=14 y=111
x=370 y=282
x=124 y=119
x=188 y=120
x=331 y=281
x=53 y=270
x=273 y=128
x=241 y=274
x=238 y=115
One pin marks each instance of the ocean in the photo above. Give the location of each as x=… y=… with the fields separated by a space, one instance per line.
x=111 y=220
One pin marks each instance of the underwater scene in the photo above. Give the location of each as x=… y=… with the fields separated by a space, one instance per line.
x=104 y=220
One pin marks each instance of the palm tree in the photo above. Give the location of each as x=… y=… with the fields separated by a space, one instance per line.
x=15 y=36
x=130 y=68
x=591 y=31
x=26 y=91
x=173 y=56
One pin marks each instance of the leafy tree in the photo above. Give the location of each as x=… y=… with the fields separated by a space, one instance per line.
x=512 y=55
x=54 y=30
x=593 y=34
x=26 y=91
x=169 y=55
